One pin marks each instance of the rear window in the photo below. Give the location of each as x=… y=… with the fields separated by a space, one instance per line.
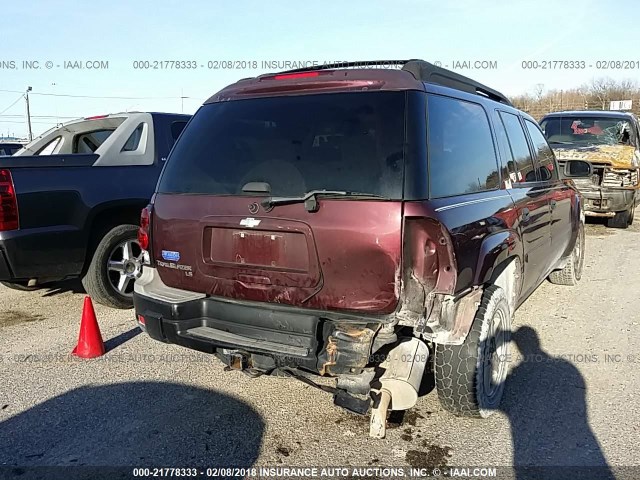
x=349 y=141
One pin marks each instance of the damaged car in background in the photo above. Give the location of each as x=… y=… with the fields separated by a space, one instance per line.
x=610 y=141
x=314 y=223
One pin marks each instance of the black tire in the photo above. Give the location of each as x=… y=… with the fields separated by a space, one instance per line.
x=632 y=214
x=621 y=219
x=572 y=271
x=19 y=286
x=462 y=371
x=97 y=281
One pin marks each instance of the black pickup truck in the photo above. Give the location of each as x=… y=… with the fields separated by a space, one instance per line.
x=71 y=199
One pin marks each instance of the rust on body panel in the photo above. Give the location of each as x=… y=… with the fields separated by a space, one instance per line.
x=347 y=348
x=617 y=156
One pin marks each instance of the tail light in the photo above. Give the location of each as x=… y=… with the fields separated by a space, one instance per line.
x=143 y=231
x=8 y=203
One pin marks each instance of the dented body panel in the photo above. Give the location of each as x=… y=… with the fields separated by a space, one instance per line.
x=291 y=256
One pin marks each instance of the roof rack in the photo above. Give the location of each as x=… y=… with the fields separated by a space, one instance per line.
x=422 y=71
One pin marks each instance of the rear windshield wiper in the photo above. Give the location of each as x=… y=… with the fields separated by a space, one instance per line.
x=310 y=201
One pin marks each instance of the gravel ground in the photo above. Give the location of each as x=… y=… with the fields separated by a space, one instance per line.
x=574 y=402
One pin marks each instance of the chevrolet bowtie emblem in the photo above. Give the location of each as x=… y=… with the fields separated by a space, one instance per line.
x=250 y=222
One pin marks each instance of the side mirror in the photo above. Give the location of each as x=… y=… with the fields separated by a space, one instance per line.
x=577 y=169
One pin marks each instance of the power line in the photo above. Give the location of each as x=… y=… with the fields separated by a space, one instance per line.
x=17 y=100
x=38 y=116
x=103 y=97
x=16 y=122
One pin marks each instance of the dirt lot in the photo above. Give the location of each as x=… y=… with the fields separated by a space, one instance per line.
x=575 y=401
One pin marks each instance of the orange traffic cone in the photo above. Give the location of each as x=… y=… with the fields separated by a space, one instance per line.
x=90 y=344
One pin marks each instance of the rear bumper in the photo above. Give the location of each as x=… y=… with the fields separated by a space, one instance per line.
x=46 y=254
x=605 y=202
x=264 y=336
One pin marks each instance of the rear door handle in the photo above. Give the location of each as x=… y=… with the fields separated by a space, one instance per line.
x=526 y=214
x=553 y=204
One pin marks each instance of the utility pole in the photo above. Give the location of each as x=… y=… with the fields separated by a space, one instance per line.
x=26 y=96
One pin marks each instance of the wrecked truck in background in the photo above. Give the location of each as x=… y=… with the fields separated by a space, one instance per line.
x=610 y=142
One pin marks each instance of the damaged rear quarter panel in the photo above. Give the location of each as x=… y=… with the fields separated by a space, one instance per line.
x=448 y=257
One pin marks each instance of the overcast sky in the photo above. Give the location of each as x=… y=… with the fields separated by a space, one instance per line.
x=121 y=32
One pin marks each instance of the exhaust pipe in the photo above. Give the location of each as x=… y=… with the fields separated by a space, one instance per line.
x=400 y=382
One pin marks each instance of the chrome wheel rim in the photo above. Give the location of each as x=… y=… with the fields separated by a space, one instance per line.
x=124 y=266
x=495 y=367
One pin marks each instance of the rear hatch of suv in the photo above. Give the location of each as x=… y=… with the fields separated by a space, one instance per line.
x=292 y=199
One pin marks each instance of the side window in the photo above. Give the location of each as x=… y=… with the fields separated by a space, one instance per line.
x=518 y=155
x=133 y=142
x=546 y=161
x=505 y=152
x=462 y=157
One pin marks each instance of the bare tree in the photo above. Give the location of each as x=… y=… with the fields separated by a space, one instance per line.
x=584 y=93
x=595 y=95
x=538 y=91
x=601 y=88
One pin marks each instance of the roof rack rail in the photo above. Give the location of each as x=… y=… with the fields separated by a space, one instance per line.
x=428 y=72
x=422 y=71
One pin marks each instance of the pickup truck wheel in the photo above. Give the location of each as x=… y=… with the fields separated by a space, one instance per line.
x=115 y=265
x=23 y=287
x=470 y=377
x=572 y=271
x=621 y=219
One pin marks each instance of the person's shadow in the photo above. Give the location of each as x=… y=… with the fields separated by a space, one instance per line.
x=134 y=424
x=545 y=401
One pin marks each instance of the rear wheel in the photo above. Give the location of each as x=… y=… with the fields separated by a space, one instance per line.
x=571 y=273
x=470 y=377
x=621 y=219
x=115 y=265
x=23 y=287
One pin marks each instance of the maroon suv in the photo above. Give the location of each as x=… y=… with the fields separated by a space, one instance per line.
x=363 y=224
